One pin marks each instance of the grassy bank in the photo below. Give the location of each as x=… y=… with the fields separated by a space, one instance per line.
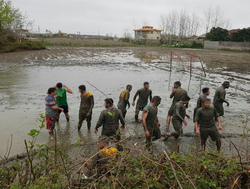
x=22 y=46
x=135 y=167
x=10 y=42
x=84 y=42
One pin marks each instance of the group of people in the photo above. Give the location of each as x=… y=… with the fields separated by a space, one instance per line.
x=205 y=116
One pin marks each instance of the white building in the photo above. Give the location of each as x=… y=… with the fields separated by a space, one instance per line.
x=147 y=33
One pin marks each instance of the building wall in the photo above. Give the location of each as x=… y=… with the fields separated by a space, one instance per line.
x=154 y=35
x=227 y=45
x=211 y=45
x=235 y=46
x=148 y=35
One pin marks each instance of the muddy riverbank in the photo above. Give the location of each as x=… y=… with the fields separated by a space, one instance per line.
x=25 y=77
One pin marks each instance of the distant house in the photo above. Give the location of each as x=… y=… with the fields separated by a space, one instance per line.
x=147 y=33
x=62 y=34
x=201 y=37
x=230 y=32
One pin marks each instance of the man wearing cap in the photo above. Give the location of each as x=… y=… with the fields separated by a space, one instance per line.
x=100 y=160
x=219 y=98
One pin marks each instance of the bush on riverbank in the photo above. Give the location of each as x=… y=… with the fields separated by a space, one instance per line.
x=135 y=167
x=193 y=45
x=9 y=43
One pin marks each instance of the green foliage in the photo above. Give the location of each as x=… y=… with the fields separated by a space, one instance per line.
x=218 y=34
x=125 y=39
x=52 y=167
x=241 y=36
x=10 y=17
x=193 y=44
x=8 y=43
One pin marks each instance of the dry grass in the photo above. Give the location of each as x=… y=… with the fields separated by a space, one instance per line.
x=84 y=42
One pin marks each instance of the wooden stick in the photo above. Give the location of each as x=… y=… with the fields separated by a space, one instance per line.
x=202 y=67
x=173 y=170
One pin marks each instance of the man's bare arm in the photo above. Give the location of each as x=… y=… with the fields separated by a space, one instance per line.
x=136 y=94
x=92 y=104
x=150 y=97
x=172 y=93
x=57 y=108
x=144 y=117
x=197 y=128
x=68 y=89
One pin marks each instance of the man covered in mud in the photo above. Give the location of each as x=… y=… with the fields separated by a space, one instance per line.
x=205 y=118
x=124 y=100
x=201 y=99
x=144 y=94
x=178 y=119
x=100 y=160
x=51 y=111
x=177 y=94
x=109 y=120
x=61 y=99
x=219 y=98
x=86 y=107
x=150 y=121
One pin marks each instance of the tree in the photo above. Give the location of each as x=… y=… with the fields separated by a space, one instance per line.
x=242 y=36
x=218 y=34
x=12 y=18
x=214 y=17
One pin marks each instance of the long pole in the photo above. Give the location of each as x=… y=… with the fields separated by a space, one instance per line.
x=202 y=67
x=171 y=59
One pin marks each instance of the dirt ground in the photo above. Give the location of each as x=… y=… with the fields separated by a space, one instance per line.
x=26 y=76
x=236 y=61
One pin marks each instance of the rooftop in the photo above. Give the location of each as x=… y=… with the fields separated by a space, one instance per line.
x=147 y=28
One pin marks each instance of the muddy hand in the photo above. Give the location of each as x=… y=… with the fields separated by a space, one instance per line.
x=96 y=131
x=147 y=133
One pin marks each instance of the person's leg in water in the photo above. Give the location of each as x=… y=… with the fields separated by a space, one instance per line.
x=136 y=115
x=178 y=130
x=215 y=136
x=67 y=116
x=150 y=139
x=66 y=112
x=170 y=114
x=218 y=144
x=50 y=122
x=81 y=119
x=195 y=110
x=168 y=121
x=89 y=118
x=124 y=113
x=203 y=145
x=58 y=115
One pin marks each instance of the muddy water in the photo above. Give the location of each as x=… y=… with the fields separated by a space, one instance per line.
x=23 y=90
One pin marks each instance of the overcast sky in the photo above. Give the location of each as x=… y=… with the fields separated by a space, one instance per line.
x=113 y=16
